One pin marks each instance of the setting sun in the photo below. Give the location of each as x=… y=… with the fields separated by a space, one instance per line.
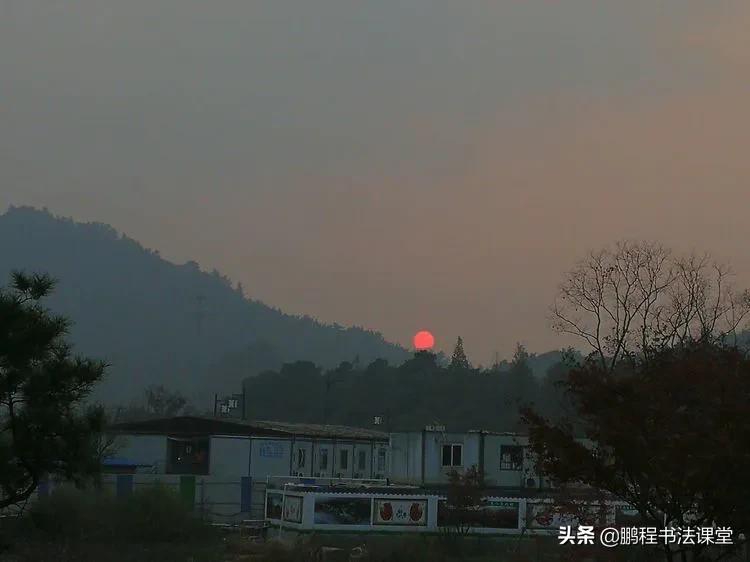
x=423 y=340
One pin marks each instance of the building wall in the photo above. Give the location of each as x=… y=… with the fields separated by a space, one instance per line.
x=143 y=449
x=406 y=455
x=302 y=464
x=229 y=456
x=480 y=450
x=366 y=450
x=261 y=457
x=270 y=457
x=435 y=472
x=493 y=473
x=335 y=468
x=410 y=450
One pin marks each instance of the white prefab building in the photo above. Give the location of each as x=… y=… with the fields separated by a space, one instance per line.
x=232 y=448
x=428 y=457
x=222 y=466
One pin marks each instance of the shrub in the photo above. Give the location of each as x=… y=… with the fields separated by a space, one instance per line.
x=157 y=514
x=73 y=515
x=151 y=514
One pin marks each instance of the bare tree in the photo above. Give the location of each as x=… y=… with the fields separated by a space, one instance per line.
x=638 y=297
x=162 y=402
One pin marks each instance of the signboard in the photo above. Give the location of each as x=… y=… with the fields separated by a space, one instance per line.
x=273 y=505
x=628 y=516
x=271 y=450
x=545 y=516
x=548 y=516
x=342 y=511
x=293 y=509
x=498 y=514
x=400 y=512
x=491 y=514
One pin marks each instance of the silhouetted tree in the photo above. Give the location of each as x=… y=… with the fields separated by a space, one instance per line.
x=459 y=361
x=410 y=395
x=464 y=499
x=667 y=433
x=521 y=383
x=44 y=429
x=161 y=402
x=639 y=297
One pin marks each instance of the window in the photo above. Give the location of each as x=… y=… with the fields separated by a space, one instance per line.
x=323 y=459
x=452 y=454
x=344 y=459
x=362 y=461
x=187 y=455
x=381 y=460
x=301 y=458
x=511 y=457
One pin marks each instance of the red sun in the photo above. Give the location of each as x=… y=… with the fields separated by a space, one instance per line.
x=423 y=340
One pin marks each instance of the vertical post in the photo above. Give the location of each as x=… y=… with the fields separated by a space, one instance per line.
x=481 y=454
x=187 y=490
x=124 y=485
x=246 y=494
x=203 y=498
x=283 y=508
x=292 y=471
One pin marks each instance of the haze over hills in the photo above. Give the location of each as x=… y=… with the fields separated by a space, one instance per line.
x=159 y=322
x=156 y=322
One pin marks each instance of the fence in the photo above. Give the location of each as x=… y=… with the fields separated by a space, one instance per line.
x=300 y=509
x=280 y=482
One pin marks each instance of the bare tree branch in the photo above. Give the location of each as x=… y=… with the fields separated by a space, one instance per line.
x=637 y=297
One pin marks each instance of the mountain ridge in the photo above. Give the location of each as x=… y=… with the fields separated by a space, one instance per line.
x=158 y=322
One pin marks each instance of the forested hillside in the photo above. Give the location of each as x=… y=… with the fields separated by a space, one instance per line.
x=157 y=322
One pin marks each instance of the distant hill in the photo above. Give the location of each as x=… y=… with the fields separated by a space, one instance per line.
x=157 y=322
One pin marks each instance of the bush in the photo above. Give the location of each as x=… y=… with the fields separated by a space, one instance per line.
x=152 y=514
x=73 y=515
x=158 y=514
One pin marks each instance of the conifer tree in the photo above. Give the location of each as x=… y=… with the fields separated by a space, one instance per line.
x=45 y=428
x=459 y=362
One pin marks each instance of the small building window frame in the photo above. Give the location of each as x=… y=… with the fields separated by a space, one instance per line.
x=511 y=457
x=452 y=455
x=323 y=458
x=382 y=460
x=344 y=459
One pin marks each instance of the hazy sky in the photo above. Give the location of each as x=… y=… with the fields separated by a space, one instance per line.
x=397 y=164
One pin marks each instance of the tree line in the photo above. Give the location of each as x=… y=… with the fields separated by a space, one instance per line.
x=422 y=390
